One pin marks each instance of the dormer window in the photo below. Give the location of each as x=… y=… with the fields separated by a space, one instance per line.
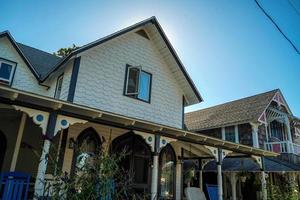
x=138 y=83
x=7 y=70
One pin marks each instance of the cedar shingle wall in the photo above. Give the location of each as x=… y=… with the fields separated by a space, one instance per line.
x=262 y=136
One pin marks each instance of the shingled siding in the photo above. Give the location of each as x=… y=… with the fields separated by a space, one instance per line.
x=216 y=132
x=102 y=75
x=245 y=134
x=262 y=136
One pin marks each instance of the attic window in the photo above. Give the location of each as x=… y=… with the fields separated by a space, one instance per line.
x=143 y=34
x=7 y=69
x=138 y=83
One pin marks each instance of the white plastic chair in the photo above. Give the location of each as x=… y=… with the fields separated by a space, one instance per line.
x=193 y=193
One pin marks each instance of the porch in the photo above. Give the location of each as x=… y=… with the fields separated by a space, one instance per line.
x=36 y=128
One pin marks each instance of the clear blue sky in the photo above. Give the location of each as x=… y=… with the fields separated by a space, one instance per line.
x=230 y=49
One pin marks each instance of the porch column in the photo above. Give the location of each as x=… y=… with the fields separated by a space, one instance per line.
x=255 y=134
x=40 y=177
x=219 y=175
x=18 y=142
x=178 y=179
x=263 y=182
x=201 y=179
x=233 y=182
x=154 y=180
x=289 y=134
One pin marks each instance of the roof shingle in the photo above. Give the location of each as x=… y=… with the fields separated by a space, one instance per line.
x=42 y=61
x=238 y=111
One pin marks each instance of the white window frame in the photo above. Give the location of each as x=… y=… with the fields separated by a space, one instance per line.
x=140 y=71
x=127 y=79
x=60 y=79
x=13 y=64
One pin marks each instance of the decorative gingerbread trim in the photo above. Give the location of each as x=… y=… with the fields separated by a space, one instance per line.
x=213 y=150
x=39 y=117
x=258 y=160
x=63 y=122
x=163 y=141
x=149 y=138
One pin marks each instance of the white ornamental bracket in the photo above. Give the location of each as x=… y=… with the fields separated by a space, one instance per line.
x=225 y=153
x=163 y=141
x=63 y=122
x=205 y=162
x=39 y=117
x=258 y=160
x=149 y=138
x=213 y=150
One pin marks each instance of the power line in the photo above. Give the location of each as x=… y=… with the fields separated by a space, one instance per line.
x=292 y=4
x=278 y=28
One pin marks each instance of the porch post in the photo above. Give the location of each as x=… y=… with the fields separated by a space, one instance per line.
x=18 y=142
x=233 y=181
x=263 y=181
x=201 y=179
x=154 y=180
x=255 y=134
x=178 y=179
x=40 y=177
x=219 y=174
x=290 y=146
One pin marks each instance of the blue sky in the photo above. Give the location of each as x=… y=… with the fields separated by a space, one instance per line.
x=230 y=49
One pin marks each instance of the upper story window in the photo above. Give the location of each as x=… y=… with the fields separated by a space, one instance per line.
x=7 y=70
x=230 y=133
x=58 y=86
x=138 y=83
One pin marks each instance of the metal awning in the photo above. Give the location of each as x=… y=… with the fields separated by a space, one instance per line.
x=271 y=164
x=13 y=96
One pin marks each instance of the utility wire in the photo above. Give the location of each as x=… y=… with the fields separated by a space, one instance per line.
x=296 y=9
x=278 y=28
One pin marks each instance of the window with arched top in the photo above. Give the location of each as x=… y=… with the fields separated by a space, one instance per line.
x=88 y=143
x=167 y=164
x=137 y=161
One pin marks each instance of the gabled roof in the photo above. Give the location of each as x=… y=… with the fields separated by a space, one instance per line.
x=25 y=59
x=38 y=61
x=244 y=110
x=42 y=61
x=195 y=98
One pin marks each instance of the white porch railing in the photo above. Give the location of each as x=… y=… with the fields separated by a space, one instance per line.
x=283 y=147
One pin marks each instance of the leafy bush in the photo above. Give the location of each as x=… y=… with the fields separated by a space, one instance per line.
x=287 y=191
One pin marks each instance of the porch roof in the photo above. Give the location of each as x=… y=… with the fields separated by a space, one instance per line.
x=22 y=98
x=248 y=164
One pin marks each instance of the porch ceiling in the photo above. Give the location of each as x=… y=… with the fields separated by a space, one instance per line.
x=17 y=97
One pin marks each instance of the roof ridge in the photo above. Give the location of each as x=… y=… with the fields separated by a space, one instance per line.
x=38 y=49
x=233 y=101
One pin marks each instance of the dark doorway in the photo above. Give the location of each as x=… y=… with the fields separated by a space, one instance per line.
x=167 y=172
x=3 y=144
x=87 y=144
x=137 y=161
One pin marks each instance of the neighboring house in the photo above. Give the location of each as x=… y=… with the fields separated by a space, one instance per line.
x=264 y=121
x=127 y=89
